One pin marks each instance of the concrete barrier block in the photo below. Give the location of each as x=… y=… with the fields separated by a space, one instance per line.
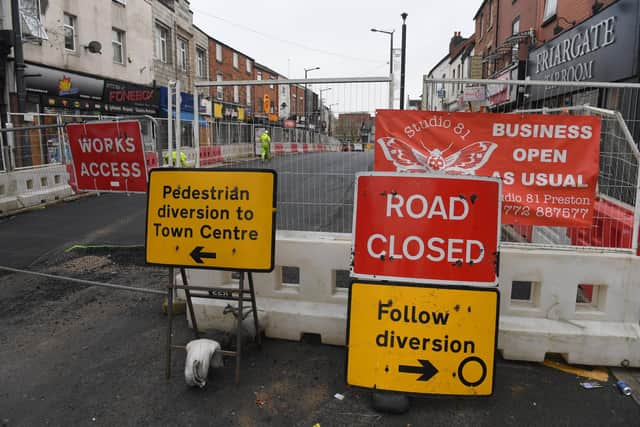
x=580 y=342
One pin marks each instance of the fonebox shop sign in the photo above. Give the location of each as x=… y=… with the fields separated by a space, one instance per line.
x=603 y=48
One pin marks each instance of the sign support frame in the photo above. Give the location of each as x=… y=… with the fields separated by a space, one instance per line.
x=221 y=294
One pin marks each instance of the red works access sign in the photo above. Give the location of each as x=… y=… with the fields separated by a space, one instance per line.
x=548 y=163
x=108 y=156
x=426 y=228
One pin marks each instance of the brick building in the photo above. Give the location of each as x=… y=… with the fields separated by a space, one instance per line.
x=226 y=64
x=265 y=101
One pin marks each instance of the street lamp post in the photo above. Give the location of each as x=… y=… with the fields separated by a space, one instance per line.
x=322 y=90
x=306 y=119
x=390 y=33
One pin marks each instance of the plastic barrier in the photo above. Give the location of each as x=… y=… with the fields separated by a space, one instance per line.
x=41 y=185
x=8 y=195
x=602 y=332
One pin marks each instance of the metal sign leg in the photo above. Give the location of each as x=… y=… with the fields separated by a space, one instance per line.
x=170 y=322
x=254 y=308
x=239 y=327
x=187 y=293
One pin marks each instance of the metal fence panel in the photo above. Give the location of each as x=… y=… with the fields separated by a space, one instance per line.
x=615 y=223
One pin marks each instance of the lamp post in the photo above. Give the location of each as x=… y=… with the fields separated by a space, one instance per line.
x=306 y=119
x=322 y=90
x=390 y=33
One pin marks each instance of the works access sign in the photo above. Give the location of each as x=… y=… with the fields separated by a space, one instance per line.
x=108 y=156
x=426 y=228
x=548 y=163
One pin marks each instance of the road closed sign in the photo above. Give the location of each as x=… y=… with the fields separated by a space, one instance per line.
x=441 y=229
x=423 y=339
x=108 y=156
x=221 y=219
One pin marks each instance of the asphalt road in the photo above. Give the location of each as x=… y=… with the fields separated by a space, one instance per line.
x=315 y=193
x=73 y=355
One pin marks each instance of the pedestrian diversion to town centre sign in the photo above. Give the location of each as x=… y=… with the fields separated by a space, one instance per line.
x=548 y=163
x=219 y=219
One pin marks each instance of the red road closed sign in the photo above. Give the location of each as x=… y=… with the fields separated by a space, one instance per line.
x=441 y=229
x=108 y=156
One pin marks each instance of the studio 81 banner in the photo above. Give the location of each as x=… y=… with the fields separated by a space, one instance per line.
x=548 y=163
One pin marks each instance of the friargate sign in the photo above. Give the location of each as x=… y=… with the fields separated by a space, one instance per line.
x=599 y=49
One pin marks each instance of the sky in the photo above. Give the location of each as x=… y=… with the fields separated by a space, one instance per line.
x=289 y=36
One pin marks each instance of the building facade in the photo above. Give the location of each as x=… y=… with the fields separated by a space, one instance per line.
x=87 y=58
x=227 y=64
x=174 y=43
x=265 y=99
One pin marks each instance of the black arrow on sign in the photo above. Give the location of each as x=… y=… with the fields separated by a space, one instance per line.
x=197 y=254
x=427 y=370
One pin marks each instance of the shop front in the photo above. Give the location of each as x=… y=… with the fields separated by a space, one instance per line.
x=601 y=49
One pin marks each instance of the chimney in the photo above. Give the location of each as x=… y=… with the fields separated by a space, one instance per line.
x=455 y=41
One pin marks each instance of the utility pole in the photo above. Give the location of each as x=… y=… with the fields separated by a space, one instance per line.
x=18 y=55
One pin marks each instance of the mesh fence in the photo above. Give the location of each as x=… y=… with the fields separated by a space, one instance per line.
x=327 y=139
x=618 y=107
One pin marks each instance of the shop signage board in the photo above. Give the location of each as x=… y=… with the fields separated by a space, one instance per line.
x=422 y=339
x=437 y=228
x=108 y=156
x=548 y=164
x=218 y=219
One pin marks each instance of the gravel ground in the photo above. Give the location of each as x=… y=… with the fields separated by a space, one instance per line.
x=90 y=356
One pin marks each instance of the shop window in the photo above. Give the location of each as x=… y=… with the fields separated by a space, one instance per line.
x=117 y=43
x=70 y=23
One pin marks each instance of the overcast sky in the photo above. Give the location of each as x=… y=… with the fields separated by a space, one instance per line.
x=289 y=36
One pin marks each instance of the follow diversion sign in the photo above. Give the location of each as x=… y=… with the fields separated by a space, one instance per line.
x=426 y=228
x=548 y=163
x=422 y=339
x=219 y=219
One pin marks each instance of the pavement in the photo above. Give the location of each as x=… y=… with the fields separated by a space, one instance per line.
x=78 y=355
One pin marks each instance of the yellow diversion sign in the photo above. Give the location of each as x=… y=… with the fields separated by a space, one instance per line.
x=422 y=339
x=220 y=219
